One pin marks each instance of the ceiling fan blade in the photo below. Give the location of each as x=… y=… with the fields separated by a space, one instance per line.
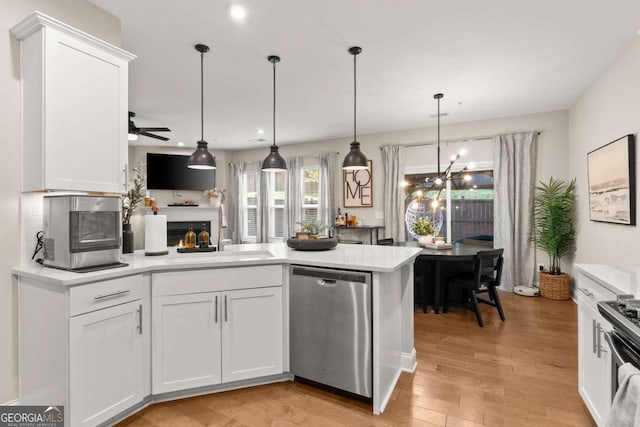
x=143 y=129
x=150 y=135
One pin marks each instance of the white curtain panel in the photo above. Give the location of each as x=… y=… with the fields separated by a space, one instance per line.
x=514 y=187
x=234 y=202
x=265 y=184
x=326 y=200
x=393 y=161
x=294 y=196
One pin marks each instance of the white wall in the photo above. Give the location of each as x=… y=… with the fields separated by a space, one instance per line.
x=552 y=149
x=608 y=110
x=86 y=17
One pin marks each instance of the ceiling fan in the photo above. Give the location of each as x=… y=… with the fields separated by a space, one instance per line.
x=135 y=131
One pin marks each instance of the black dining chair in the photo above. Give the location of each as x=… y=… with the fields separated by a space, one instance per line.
x=385 y=242
x=485 y=278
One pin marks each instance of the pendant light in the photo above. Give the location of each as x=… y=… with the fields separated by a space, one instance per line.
x=202 y=158
x=355 y=159
x=274 y=161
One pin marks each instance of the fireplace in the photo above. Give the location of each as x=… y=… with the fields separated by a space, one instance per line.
x=177 y=229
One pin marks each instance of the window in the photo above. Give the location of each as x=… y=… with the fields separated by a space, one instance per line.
x=250 y=202
x=276 y=203
x=310 y=193
x=472 y=204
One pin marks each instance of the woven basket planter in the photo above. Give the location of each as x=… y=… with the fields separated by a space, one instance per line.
x=555 y=286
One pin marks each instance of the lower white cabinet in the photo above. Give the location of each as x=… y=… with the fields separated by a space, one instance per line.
x=594 y=354
x=106 y=359
x=208 y=329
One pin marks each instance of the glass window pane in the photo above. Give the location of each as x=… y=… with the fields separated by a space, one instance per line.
x=252 y=222
x=310 y=186
x=279 y=219
x=309 y=214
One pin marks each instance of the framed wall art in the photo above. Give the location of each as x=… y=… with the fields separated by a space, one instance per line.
x=357 y=188
x=612 y=179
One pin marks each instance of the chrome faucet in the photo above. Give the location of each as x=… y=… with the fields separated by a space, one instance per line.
x=222 y=221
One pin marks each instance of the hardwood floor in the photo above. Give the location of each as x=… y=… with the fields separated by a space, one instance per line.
x=523 y=372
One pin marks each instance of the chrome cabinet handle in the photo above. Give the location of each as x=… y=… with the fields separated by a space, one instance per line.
x=140 y=319
x=593 y=336
x=216 y=309
x=226 y=310
x=126 y=176
x=115 y=294
x=586 y=292
x=600 y=348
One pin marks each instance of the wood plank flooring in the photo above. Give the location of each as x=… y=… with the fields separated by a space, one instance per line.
x=523 y=372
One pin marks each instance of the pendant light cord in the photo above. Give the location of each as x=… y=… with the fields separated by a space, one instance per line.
x=201 y=96
x=274 y=103
x=438 y=137
x=354 y=97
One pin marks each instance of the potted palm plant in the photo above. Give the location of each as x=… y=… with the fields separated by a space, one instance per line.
x=554 y=233
x=130 y=201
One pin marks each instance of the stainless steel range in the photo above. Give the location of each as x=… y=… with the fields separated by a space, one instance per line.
x=624 y=339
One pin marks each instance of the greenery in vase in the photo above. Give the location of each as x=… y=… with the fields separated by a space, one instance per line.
x=553 y=217
x=313 y=227
x=423 y=227
x=132 y=198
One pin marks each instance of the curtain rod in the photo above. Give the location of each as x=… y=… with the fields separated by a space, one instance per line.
x=307 y=156
x=446 y=141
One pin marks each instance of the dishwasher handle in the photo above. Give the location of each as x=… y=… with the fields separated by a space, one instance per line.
x=331 y=275
x=326 y=282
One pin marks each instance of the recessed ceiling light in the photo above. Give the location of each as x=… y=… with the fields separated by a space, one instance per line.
x=180 y=144
x=260 y=131
x=237 y=12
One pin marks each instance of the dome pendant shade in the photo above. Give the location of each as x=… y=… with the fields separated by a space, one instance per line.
x=355 y=159
x=274 y=161
x=201 y=158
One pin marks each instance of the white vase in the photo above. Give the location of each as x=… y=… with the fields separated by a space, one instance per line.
x=425 y=240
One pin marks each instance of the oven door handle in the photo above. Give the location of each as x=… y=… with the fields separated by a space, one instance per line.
x=619 y=360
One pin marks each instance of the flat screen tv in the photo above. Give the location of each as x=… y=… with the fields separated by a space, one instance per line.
x=170 y=172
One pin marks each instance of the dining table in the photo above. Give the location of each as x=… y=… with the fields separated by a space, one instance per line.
x=459 y=255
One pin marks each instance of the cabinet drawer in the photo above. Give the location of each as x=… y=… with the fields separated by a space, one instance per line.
x=219 y=279
x=590 y=292
x=98 y=295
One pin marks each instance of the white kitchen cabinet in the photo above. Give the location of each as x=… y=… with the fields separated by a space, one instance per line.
x=594 y=354
x=75 y=108
x=251 y=333
x=106 y=360
x=186 y=341
x=86 y=347
x=216 y=326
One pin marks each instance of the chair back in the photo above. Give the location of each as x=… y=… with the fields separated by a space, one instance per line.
x=386 y=242
x=487 y=266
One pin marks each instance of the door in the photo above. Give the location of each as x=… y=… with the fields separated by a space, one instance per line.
x=85 y=99
x=594 y=360
x=252 y=330
x=186 y=341
x=106 y=363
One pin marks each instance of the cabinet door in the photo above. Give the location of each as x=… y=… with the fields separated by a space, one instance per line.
x=186 y=341
x=106 y=363
x=252 y=331
x=594 y=363
x=85 y=100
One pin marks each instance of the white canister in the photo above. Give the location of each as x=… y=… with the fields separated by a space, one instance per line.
x=155 y=235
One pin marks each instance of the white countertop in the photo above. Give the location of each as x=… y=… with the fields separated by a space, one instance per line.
x=620 y=280
x=351 y=257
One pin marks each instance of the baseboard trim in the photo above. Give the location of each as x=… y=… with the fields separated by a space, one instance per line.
x=408 y=361
x=175 y=395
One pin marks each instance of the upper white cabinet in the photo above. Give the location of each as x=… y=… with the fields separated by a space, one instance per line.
x=75 y=103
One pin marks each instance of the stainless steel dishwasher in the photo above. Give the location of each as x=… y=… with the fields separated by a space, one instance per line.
x=330 y=328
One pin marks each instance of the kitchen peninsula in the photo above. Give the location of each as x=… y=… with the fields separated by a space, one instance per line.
x=172 y=326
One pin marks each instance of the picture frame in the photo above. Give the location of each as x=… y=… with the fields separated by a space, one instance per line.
x=612 y=182
x=357 y=187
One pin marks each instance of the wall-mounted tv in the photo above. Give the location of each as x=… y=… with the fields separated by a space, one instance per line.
x=170 y=172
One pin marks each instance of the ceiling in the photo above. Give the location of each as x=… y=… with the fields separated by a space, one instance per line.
x=490 y=58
